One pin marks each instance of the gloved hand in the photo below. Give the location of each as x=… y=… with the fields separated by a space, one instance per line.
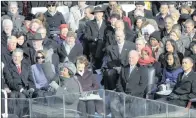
x=54 y=85
x=31 y=91
x=173 y=96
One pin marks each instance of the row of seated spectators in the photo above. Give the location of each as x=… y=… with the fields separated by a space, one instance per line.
x=138 y=55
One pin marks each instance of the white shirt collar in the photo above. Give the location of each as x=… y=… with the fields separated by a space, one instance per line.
x=81 y=73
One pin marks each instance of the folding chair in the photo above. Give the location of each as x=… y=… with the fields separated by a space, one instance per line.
x=65 y=11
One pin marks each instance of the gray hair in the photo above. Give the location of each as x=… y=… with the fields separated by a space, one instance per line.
x=18 y=50
x=190 y=21
x=7 y=22
x=12 y=3
x=121 y=22
x=136 y=53
x=11 y=38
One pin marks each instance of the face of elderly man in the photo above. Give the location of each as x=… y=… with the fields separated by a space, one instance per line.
x=189 y=27
x=37 y=44
x=42 y=32
x=99 y=16
x=12 y=43
x=8 y=28
x=71 y=41
x=169 y=23
x=187 y=65
x=17 y=58
x=13 y=8
x=120 y=36
x=119 y=25
x=133 y=57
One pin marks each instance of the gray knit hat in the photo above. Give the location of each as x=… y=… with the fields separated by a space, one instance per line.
x=70 y=66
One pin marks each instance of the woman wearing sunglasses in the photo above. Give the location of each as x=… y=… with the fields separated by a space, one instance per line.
x=43 y=74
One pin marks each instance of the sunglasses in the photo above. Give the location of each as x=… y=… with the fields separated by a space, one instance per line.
x=42 y=57
x=51 y=6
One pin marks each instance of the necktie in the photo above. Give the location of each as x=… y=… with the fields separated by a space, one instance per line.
x=19 y=69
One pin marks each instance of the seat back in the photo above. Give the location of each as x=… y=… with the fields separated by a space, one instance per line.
x=65 y=11
x=128 y=7
x=35 y=10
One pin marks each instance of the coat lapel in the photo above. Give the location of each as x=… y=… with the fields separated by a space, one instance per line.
x=124 y=50
x=126 y=73
x=115 y=50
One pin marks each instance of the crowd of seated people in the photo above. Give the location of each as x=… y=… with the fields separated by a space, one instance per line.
x=137 y=52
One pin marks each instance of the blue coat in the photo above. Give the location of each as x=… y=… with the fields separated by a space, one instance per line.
x=171 y=76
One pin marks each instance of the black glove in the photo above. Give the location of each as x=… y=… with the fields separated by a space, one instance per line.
x=173 y=96
x=31 y=91
x=45 y=88
x=26 y=93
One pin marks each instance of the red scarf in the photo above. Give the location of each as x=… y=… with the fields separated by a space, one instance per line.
x=63 y=37
x=151 y=59
x=33 y=32
x=143 y=62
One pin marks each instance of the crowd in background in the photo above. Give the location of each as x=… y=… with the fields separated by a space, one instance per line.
x=149 y=52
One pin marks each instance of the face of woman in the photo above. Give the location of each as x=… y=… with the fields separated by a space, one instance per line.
x=153 y=42
x=20 y=40
x=144 y=55
x=169 y=47
x=173 y=36
x=80 y=66
x=64 y=72
x=35 y=26
x=139 y=23
x=27 y=23
x=40 y=58
x=170 y=60
x=64 y=32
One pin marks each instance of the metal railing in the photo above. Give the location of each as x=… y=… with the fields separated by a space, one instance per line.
x=108 y=104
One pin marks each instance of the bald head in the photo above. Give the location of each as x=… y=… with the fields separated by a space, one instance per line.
x=133 y=57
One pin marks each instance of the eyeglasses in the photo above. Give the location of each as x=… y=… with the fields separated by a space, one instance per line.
x=42 y=57
x=51 y=6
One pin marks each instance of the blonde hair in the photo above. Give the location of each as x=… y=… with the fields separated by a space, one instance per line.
x=36 y=21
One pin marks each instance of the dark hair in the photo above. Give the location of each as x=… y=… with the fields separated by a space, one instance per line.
x=18 y=34
x=176 y=63
x=192 y=45
x=52 y=3
x=173 y=43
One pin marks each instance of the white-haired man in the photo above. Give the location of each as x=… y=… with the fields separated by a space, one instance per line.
x=14 y=15
x=7 y=26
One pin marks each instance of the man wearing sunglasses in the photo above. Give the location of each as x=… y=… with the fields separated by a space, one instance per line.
x=53 y=17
